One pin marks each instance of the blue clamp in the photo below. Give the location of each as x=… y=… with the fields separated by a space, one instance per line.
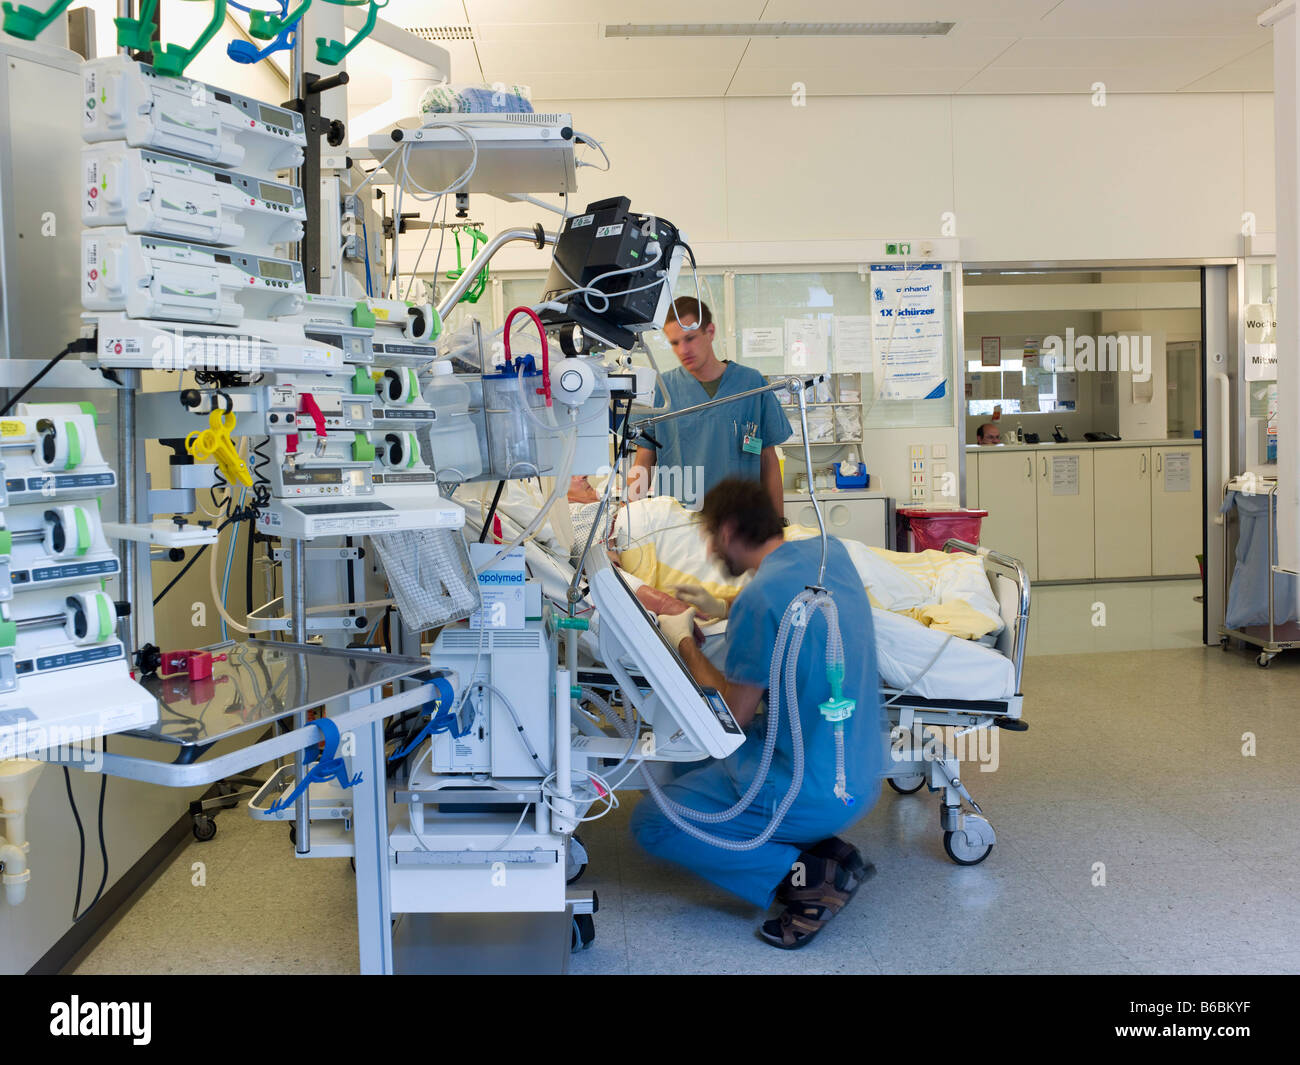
x=281 y=31
x=325 y=765
x=441 y=719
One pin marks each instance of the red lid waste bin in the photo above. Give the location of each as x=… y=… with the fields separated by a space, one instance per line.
x=928 y=529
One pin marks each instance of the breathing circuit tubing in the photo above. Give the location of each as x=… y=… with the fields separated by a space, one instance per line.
x=785 y=658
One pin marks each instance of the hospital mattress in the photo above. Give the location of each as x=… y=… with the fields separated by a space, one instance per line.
x=963 y=670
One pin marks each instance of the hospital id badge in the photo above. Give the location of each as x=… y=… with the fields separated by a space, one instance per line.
x=752 y=444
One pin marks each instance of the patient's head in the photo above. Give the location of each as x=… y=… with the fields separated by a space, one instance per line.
x=580 y=491
x=741 y=523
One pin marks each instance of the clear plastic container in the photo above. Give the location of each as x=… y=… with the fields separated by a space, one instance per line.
x=511 y=437
x=450 y=443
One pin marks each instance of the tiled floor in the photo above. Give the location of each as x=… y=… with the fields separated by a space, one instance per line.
x=1137 y=833
x=1119 y=616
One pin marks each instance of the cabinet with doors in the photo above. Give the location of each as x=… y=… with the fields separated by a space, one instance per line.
x=1008 y=492
x=1122 y=512
x=1104 y=512
x=1176 y=530
x=1063 y=490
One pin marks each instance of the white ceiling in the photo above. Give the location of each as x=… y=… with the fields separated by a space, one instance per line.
x=557 y=48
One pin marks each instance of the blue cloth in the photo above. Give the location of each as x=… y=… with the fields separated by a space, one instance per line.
x=1248 y=592
x=699 y=450
x=816 y=814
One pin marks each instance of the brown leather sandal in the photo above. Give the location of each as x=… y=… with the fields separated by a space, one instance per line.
x=808 y=909
x=796 y=927
x=832 y=851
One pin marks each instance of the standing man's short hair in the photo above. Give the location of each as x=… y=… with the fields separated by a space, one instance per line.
x=982 y=431
x=689 y=309
x=746 y=506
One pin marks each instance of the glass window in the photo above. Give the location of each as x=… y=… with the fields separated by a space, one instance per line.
x=828 y=313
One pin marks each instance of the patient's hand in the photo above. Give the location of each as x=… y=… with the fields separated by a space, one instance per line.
x=658 y=602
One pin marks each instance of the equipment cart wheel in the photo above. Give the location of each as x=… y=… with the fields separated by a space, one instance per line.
x=205 y=828
x=961 y=851
x=1265 y=657
x=575 y=861
x=584 y=932
x=904 y=785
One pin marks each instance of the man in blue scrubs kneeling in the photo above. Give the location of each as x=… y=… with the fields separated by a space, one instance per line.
x=804 y=865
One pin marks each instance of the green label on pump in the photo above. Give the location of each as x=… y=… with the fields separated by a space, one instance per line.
x=8 y=633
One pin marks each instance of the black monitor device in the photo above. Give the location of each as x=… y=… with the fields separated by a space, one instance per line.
x=610 y=236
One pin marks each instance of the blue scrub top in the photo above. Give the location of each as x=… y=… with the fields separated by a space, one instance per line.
x=751 y=632
x=699 y=450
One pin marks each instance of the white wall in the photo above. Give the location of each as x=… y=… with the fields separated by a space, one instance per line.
x=1029 y=178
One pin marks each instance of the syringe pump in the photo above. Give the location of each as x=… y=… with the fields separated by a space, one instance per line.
x=123 y=100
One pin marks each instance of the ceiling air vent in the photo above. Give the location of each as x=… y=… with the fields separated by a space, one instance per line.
x=442 y=33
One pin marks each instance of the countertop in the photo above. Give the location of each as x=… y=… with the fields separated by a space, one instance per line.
x=824 y=494
x=1074 y=445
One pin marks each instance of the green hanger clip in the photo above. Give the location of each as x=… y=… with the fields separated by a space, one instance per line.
x=837 y=708
x=172 y=59
x=26 y=23
x=265 y=26
x=167 y=59
x=334 y=52
x=477 y=239
x=137 y=33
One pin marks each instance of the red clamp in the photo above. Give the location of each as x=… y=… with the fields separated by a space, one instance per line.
x=307 y=405
x=197 y=664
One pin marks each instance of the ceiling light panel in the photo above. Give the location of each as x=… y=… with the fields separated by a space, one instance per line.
x=778 y=29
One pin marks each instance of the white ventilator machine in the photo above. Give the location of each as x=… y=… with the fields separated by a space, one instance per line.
x=227 y=243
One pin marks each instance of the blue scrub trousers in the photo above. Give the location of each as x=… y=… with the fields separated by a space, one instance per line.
x=755 y=874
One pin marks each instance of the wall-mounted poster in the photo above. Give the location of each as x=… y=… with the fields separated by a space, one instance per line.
x=908 y=331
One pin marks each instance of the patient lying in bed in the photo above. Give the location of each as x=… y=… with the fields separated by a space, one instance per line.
x=658 y=541
x=928 y=608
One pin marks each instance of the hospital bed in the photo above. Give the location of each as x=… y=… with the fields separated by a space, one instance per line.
x=930 y=734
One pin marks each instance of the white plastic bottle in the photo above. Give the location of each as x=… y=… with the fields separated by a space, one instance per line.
x=451 y=446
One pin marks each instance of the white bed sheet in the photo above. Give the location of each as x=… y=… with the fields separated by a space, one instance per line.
x=963 y=670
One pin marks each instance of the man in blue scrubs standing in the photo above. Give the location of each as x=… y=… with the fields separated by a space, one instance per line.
x=804 y=864
x=736 y=439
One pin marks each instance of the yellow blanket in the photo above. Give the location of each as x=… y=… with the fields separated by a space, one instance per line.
x=662 y=544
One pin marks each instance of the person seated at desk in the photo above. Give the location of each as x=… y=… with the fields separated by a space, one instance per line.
x=988 y=435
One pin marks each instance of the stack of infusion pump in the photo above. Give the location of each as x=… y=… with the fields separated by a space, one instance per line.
x=64 y=678
x=189 y=210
